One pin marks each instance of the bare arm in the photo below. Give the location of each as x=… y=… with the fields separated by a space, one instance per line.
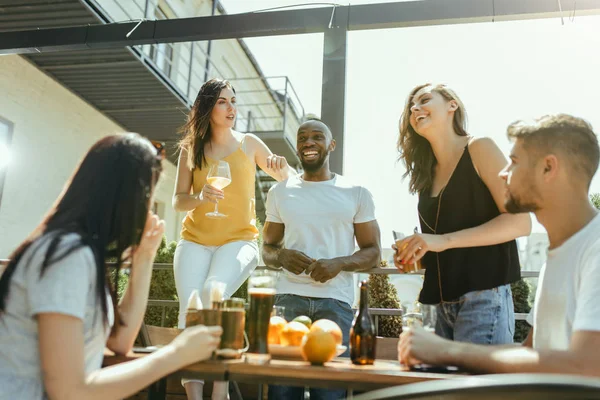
x=61 y=345
x=183 y=200
x=368 y=256
x=276 y=166
x=275 y=256
x=368 y=238
x=133 y=304
x=488 y=161
x=528 y=342
x=581 y=358
x=272 y=243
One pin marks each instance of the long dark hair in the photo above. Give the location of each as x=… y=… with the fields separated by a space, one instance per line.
x=196 y=131
x=105 y=202
x=414 y=150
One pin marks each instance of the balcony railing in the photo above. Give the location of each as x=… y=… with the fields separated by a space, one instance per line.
x=267 y=104
x=376 y=312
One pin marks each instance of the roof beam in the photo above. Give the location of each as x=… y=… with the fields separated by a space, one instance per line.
x=299 y=21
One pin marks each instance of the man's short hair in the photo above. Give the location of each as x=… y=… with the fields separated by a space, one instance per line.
x=560 y=134
x=311 y=117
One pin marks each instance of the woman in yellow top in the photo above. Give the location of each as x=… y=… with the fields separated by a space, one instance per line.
x=222 y=249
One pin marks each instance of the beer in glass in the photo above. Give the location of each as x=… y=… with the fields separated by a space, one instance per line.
x=261 y=293
x=408 y=268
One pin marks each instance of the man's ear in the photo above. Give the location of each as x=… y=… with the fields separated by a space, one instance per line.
x=332 y=145
x=550 y=164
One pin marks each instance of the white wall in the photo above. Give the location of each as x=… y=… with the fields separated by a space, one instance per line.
x=53 y=128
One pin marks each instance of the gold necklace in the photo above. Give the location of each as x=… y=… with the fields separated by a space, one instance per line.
x=437 y=254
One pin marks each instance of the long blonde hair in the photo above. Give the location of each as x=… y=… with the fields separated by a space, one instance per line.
x=414 y=150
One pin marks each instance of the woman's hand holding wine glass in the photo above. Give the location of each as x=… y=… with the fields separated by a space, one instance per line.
x=219 y=177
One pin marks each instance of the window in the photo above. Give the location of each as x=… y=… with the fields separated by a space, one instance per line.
x=162 y=53
x=158 y=208
x=6 y=129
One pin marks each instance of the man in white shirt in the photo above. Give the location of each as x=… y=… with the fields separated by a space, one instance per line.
x=310 y=230
x=553 y=161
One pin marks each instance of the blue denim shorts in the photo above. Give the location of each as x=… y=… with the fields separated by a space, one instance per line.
x=482 y=317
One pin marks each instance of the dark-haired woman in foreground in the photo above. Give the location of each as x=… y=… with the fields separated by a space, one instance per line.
x=58 y=309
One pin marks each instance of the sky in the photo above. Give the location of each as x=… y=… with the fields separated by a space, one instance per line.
x=502 y=71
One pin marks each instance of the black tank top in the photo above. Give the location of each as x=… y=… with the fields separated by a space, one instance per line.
x=466 y=203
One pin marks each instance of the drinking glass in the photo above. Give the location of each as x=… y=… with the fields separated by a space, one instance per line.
x=424 y=315
x=261 y=291
x=219 y=176
x=429 y=313
x=407 y=268
x=278 y=311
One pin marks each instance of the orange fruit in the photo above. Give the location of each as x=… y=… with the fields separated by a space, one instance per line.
x=318 y=347
x=276 y=326
x=293 y=333
x=326 y=325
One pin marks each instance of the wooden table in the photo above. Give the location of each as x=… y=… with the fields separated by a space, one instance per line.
x=339 y=373
x=209 y=370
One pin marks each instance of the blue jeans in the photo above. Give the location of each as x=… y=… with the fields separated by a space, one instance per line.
x=314 y=308
x=481 y=317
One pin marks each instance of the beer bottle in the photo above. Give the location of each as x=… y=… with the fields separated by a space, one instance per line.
x=362 y=334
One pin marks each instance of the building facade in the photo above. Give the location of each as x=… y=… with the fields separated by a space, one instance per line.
x=56 y=105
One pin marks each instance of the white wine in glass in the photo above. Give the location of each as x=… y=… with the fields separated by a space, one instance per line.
x=219 y=176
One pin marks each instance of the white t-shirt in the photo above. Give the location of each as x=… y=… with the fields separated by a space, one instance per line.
x=568 y=293
x=66 y=287
x=319 y=220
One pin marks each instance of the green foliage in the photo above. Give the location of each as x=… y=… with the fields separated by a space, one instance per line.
x=596 y=200
x=259 y=226
x=382 y=294
x=520 y=291
x=162 y=287
x=242 y=291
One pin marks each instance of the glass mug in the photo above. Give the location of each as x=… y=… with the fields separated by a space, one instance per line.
x=408 y=268
x=261 y=293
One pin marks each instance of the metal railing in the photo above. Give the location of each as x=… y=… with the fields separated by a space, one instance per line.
x=187 y=65
x=267 y=104
x=282 y=110
x=376 y=312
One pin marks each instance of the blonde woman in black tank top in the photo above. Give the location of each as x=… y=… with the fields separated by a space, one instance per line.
x=468 y=245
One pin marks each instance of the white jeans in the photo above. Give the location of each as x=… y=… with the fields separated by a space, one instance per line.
x=196 y=266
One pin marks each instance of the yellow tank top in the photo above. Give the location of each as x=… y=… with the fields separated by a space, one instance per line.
x=238 y=205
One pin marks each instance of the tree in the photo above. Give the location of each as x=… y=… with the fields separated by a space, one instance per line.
x=383 y=294
x=596 y=200
x=162 y=287
x=520 y=293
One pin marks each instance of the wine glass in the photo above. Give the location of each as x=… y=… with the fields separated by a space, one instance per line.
x=219 y=176
x=429 y=313
x=424 y=315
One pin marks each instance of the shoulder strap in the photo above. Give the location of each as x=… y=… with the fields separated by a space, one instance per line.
x=243 y=143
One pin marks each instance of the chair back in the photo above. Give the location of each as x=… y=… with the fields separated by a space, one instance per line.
x=495 y=387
